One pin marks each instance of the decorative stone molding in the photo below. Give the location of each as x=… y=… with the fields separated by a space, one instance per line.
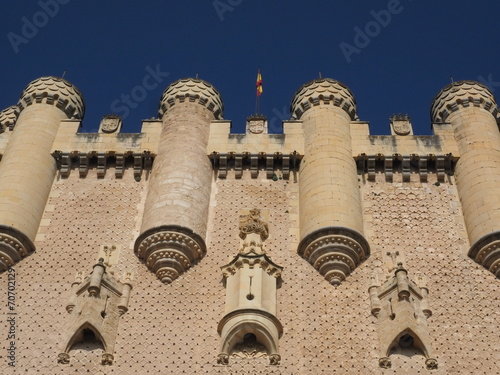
x=110 y=254
x=54 y=91
x=169 y=251
x=249 y=348
x=223 y=359
x=255 y=162
x=264 y=326
x=8 y=118
x=402 y=309
x=326 y=91
x=486 y=251
x=63 y=358
x=14 y=246
x=256 y=124
x=253 y=232
x=250 y=328
x=334 y=251
x=252 y=261
x=440 y=165
x=193 y=90
x=96 y=303
x=110 y=124
x=107 y=359
x=401 y=125
x=465 y=94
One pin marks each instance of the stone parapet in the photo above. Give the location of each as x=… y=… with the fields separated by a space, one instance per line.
x=325 y=91
x=192 y=90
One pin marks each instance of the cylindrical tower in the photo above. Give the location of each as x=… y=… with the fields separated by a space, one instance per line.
x=176 y=210
x=331 y=219
x=27 y=169
x=471 y=110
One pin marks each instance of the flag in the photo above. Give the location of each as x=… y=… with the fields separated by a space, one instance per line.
x=258 y=85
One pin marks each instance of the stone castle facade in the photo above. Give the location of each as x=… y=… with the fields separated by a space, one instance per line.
x=186 y=249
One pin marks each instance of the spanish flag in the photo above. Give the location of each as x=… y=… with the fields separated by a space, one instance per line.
x=258 y=85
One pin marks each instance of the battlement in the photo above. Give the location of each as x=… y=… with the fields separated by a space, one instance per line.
x=232 y=151
x=228 y=150
x=388 y=243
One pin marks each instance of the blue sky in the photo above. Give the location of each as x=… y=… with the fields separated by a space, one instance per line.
x=395 y=55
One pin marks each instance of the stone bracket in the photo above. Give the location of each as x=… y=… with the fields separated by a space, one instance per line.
x=334 y=251
x=101 y=164
x=440 y=165
x=102 y=161
x=255 y=162
x=169 y=251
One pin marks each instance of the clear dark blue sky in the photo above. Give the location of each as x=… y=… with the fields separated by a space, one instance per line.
x=108 y=49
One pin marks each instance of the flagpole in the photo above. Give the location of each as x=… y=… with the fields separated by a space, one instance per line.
x=258 y=91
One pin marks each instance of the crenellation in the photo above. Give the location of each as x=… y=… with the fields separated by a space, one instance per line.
x=323 y=249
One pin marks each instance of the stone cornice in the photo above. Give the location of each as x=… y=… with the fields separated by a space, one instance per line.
x=439 y=165
x=54 y=91
x=102 y=161
x=326 y=91
x=465 y=94
x=255 y=162
x=192 y=90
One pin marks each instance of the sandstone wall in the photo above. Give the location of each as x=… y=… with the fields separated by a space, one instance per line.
x=172 y=329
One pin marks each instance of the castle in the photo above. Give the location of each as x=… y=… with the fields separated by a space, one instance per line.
x=186 y=249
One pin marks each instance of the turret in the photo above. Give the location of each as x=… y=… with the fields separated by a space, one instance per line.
x=27 y=169
x=176 y=210
x=331 y=219
x=471 y=110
